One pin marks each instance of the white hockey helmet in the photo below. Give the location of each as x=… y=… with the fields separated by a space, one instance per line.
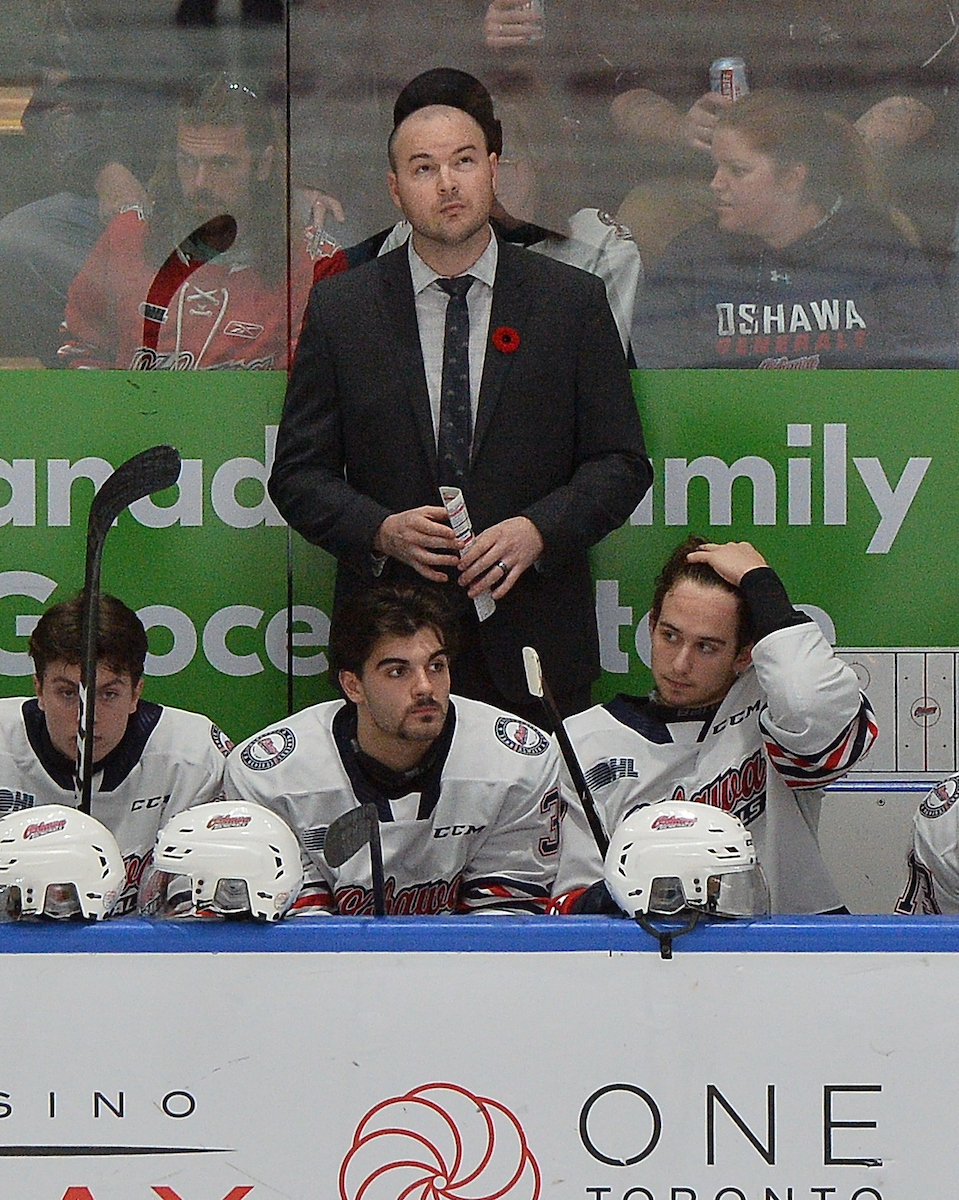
x=678 y=857
x=226 y=858
x=58 y=862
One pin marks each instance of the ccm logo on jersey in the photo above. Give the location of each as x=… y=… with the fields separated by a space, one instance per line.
x=148 y=802
x=268 y=750
x=520 y=737
x=456 y=830
x=737 y=718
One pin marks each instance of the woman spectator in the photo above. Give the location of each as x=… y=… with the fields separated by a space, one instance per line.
x=802 y=265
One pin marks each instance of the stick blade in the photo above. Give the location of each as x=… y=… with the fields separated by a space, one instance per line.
x=147 y=472
x=349 y=833
x=534 y=671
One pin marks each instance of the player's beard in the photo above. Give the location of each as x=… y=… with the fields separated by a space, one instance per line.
x=412 y=729
x=208 y=217
x=408 y=726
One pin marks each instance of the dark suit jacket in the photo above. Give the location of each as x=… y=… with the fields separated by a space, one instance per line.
x=557 y=439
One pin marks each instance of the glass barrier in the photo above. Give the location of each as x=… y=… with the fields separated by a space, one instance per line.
x=808 y=223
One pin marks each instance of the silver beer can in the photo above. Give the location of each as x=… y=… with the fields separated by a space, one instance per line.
x=727 y=76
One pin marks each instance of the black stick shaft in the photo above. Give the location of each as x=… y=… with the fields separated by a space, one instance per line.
x=376 y=870
x=149 y=471
x=88 y=667
x=575 y=771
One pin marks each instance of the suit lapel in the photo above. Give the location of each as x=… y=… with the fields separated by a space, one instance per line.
x=510 y=306
x=402 y=348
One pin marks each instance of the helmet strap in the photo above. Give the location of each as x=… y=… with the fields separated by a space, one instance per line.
x=666 y=936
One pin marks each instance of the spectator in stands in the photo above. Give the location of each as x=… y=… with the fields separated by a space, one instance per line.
x=800 y=267
x=198 y=279
x=92 y=142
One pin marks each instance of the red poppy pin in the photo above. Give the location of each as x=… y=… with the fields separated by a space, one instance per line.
x=505 y=339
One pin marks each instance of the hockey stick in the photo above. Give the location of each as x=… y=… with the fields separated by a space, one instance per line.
x=538 y=687
x=351 y=832
x=147 y=472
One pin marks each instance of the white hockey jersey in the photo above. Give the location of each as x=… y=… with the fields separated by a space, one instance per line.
x=476 y=826
x=932 y=884
x=167 y=760
x=792 y=723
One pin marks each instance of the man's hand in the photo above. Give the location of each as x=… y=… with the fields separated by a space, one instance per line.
x=731 y=560
x=646 y=116
x=513 y=544
x=116 y=187
x=421 y=538
x=314 y=207
x=511 y=23
x=699 y=123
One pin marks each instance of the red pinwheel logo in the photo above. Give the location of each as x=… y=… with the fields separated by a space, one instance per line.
x=439 y=1142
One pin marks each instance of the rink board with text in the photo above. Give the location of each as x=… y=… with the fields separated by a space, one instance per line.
x=480 y=1059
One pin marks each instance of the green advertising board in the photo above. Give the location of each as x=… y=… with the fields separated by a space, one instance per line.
x=843 y=479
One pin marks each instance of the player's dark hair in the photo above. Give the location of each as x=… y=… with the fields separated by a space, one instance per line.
x=388 y=610
x=678 y=568
x=121 y=639
x=225 y=102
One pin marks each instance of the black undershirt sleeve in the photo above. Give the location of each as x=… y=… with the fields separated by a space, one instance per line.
x=769 y=605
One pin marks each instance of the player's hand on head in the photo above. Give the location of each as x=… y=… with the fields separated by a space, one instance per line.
x=731 y=560
x=499 y=555
x=421 y=538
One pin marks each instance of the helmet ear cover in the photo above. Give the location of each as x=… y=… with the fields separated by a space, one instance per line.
x=226 y=858
x=58 y=863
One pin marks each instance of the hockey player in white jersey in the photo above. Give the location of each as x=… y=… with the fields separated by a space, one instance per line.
x=932 y=866
x=149 y=760
x=467 y=796
x=752 y=712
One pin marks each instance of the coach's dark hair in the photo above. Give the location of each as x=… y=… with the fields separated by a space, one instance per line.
x=121 y=639
x=678 y=568
x=387 y=610
x=451 y=88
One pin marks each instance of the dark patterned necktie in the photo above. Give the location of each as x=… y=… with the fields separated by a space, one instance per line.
x=456 y=416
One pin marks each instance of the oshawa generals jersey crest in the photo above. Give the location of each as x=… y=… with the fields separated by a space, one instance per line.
x=167 y=760
x=475 y=826
x=742 y=756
